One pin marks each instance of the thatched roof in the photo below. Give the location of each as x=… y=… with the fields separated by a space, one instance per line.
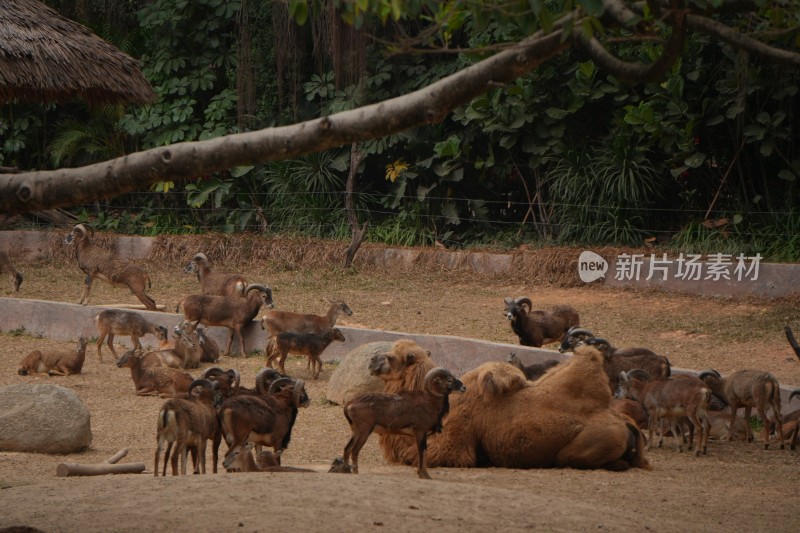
x=46 y=57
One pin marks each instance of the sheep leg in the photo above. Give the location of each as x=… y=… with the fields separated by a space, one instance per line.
x=166 y=460
x=201 y=457
x=148 y=302
x=776 y=411
x=242 y=351
x=100 y=340
x=317 y=367
x=735 y=407
x=184 y=452
x=146 y=391
x=158 y=455
x=422 y=462
x=281 y=362
x=215 y=448
x=87 y=288
x=354 y=446
x=762 y=412
x=696 y=424
x=230 y=341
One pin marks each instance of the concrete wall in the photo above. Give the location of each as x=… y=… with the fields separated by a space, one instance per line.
x=772 y=281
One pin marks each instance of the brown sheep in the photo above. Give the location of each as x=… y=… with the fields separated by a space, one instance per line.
x=54 y=363
x=502 y=420
x=98 y=263
x=539 y=327
x=219 y=283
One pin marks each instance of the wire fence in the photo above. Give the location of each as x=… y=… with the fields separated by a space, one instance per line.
x=324 y=213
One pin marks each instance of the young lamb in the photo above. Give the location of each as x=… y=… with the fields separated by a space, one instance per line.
x=112 y=322
x=310 y=344
x=418 y=413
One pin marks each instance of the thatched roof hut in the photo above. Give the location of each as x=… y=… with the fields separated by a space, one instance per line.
x=45 y=57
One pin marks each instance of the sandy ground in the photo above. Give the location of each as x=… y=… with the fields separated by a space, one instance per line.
x=737 y=487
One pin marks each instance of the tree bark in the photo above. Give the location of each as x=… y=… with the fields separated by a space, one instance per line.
x=358 y=233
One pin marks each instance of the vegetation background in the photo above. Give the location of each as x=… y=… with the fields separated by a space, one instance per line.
x=704 y=161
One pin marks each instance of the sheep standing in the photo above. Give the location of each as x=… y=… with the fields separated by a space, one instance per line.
x=417 y=413
x=748 y=389
x=188 y=423
x=231 y=312
x=98 y=263
x=112 y=322
x=309 y=344
x=539 y=327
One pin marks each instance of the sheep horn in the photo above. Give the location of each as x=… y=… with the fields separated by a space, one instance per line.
x=435 y=373
x=237 y=378
x=199 y=256
x=211 y=373
x=638 y=373
x=574 y=331
x=524 y=301
x=279 y=383
x=795 y=392
x=710 y=372
x=262 y=376
x=201 y=383
x=297 y=393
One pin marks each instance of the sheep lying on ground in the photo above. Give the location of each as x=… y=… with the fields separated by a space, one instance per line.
x=502 y=420
x=533 y=371
x=54 y=363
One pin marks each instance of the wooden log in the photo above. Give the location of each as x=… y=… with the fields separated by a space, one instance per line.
x=73 y=469
x=108 y=466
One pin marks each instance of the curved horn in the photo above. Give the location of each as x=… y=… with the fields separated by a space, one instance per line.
x=575 y=331
x=638 y=373
x=279 y=383
x=199 y=256
x=524 y=300
x=710 y=372
x=795 y=392
x=211 y=373
x=435 y=373
x=237 y=379
x=264 y=377
x=201 y=383
x=297 y=393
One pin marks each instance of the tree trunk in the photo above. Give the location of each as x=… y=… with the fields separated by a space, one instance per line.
x=358 y=233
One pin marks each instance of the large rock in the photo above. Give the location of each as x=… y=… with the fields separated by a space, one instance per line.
x=43 y=418
x=352 y=377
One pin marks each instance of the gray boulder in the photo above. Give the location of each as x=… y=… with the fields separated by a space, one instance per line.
x=352 y=377
x=44 y=419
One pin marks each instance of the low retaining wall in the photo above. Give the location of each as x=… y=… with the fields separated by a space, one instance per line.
x=722 y=275
x=66 y=322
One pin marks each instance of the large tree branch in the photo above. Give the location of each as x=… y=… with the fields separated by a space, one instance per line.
x=31 y=191
x=637 y=72
x=740 y=40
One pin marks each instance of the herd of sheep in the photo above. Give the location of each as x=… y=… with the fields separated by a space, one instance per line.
x=586 y=412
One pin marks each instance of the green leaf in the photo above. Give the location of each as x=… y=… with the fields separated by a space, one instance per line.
x=695 y=160
x=238 y=172
x=787 y=175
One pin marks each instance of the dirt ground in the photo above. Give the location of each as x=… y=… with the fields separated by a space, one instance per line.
x=738 y=486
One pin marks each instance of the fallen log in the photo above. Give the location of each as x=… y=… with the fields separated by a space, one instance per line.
x=109 y=466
